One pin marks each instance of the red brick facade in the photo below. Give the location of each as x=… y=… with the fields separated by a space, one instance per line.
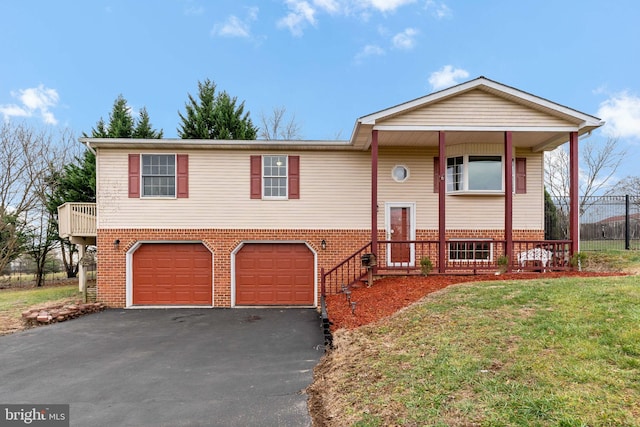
x=112 y=260
x=111 y=283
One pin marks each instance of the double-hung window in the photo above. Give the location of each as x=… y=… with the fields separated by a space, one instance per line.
x=274 y=177
x=158 y=175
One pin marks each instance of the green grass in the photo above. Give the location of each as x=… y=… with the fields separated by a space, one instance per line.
x=14 y=302
x=562 y=352
x=613 y=260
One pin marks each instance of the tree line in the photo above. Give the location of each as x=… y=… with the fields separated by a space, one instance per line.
x=41 y=170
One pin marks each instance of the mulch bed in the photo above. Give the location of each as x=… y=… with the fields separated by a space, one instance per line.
x=390 y=294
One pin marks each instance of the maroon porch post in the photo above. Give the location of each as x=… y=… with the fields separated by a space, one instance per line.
x=442 y=191
x=508 y=196
x=573 y=193
x=374 y=194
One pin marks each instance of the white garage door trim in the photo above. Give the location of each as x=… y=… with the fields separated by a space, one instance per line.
x=246 y=242
x=129 y=274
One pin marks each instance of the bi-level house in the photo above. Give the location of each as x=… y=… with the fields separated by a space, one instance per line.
x=455 y=177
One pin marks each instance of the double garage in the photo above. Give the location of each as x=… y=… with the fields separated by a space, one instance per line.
x=182 y=274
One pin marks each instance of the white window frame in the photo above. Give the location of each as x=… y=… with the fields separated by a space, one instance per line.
x=142 y=176
x=286 y=178
x=467 y=241
x=465 y=175
x=396 y=167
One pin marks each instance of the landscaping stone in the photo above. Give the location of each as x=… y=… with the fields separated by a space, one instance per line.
x=59 y=313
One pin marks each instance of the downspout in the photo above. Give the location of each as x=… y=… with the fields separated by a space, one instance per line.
x=88 y=145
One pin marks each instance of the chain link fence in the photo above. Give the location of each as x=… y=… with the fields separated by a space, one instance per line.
x=606 y=222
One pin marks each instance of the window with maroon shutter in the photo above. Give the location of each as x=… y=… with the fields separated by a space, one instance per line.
x=256 y=177
x=134 y=175
x=275 y=177
x=521 y=175
x=294 y=177
x=182 y=175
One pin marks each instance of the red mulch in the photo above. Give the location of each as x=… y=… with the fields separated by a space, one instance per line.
x=390 y=294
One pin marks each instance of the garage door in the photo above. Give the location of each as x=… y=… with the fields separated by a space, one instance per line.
x=274 y=274
x=172 y=274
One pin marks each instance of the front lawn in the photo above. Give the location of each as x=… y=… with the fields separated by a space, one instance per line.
x=14 y=302
x=544 y=352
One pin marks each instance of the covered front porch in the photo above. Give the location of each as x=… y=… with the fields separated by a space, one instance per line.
x=485 y=144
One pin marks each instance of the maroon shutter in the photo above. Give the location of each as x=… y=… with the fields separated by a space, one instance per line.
x=436 y=174
x=521 y=175
x=182 y=175
x=134 y=175
x=256 y=177
x=294 y=177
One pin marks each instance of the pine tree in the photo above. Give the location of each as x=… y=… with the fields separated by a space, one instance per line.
x=214 y=116
x=77 y=181
x=143 y=128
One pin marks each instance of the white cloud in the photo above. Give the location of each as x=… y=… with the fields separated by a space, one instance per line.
x=300 y=14
x=406 y=39
x=446 y=77
x=369 y=50
x=385 y=5
x=236 y=27
x=438 y=9
x=622 y=114
x=34 y=100
x=330 y=6
x=232 y=27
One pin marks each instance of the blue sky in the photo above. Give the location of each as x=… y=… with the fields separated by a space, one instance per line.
x=327 y=62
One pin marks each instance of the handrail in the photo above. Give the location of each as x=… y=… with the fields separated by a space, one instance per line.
x=526 y=255
x=345 y=273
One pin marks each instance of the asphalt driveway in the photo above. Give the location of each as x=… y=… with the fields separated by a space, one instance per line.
x=169 y=367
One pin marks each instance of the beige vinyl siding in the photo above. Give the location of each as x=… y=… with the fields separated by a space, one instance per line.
x=417 y=189
x=462 y=211
x=476 y=108
x=528 y=209
x=335 y=191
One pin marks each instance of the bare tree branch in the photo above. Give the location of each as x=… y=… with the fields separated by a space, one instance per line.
x=27 y=158
x=599 y=164
x=274 y=126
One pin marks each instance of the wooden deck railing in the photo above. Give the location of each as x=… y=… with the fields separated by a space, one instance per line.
x=77 y=220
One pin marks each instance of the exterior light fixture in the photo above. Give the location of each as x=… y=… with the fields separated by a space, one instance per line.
x=323 y=244
x=116 y=244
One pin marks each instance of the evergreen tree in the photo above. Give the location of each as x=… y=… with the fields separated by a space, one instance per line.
x=143 y=129
x=122 y=124
x=214 y=116
x=77 y=180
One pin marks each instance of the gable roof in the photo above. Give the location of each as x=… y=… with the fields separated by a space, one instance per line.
x=531 y=113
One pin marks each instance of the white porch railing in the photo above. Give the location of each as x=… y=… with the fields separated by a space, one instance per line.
x=77 y=220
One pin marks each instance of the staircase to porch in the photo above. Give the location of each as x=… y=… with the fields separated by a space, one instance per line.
x=463 y=257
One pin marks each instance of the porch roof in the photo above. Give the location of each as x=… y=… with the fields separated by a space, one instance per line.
x=478 y=111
